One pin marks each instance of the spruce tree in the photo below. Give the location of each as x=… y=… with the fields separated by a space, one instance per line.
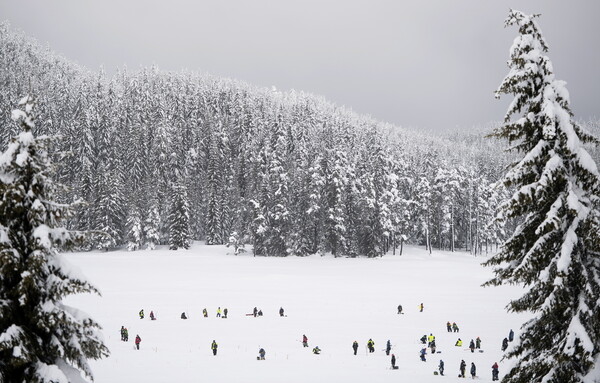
x=179 y=218
x=40 y=337
x=554 y=251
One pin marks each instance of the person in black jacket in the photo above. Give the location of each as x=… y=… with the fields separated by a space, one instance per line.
x=504 y=344
x=473 y=370
x=355 y=347
x=393 y=362
x=463 y=367
x=441 y=367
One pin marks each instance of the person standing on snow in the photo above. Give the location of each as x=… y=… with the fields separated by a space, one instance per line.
x=463 y=367
x=511 y=335
x=472 y=346
x=394 y=362
x=477 y=343
x=441 y=367
x=214 y=347
x=281 y=311
x=430 y=339
x=371 y=345
x=204 y=312
x=152 y=317
x=473 y=370
x=304 y=341
x=142 y=314
x=449 y=327
x=423 y=353
x=219 y=312
x=399 y=309
x=433 y=347
x=495 y=371
x=504 y=344
x=122 y=333
x=354 y=346
x=421 y=307
x=225 y=312
x=255 y=312
x=138 y=340
x=126 y=335
x=388 y=347
x=454 y=327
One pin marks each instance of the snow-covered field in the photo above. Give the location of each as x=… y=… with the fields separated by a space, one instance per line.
x=332 y=301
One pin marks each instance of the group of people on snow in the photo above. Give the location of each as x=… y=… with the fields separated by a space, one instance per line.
x=452 y=327
x=256 y=312
x=474 y=344
x=429 y=340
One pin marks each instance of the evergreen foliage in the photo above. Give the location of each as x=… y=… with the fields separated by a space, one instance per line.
x=554 y=251
x=179 y=219
x=40 y=337
x=290 y=173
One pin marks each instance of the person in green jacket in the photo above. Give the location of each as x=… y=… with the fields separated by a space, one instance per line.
x=214 y=346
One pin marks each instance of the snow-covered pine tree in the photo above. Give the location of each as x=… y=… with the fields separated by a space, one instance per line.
x=555 y=250
x=179 y=218
x=152 y=225
x=334 y=179
x=277 y=214
x=110 y=202
x=215 y=188
x=135 y=233
x=40 y=337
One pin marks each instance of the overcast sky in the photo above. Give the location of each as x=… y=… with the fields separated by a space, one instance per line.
x=430 y=64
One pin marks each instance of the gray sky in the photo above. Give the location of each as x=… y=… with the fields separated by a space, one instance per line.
x=422 y=63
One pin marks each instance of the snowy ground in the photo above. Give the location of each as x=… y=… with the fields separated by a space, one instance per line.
x=332 y=301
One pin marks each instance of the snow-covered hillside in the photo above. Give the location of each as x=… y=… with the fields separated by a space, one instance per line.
x=332 y=301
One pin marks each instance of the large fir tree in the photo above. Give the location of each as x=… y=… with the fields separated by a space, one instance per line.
x=41 y=339
x=554 y=251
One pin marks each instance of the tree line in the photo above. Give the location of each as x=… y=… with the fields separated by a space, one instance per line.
x=166 y=158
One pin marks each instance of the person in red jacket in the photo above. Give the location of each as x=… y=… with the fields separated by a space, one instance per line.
x=495 y=372
x=304 y=341
x=138 y=340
